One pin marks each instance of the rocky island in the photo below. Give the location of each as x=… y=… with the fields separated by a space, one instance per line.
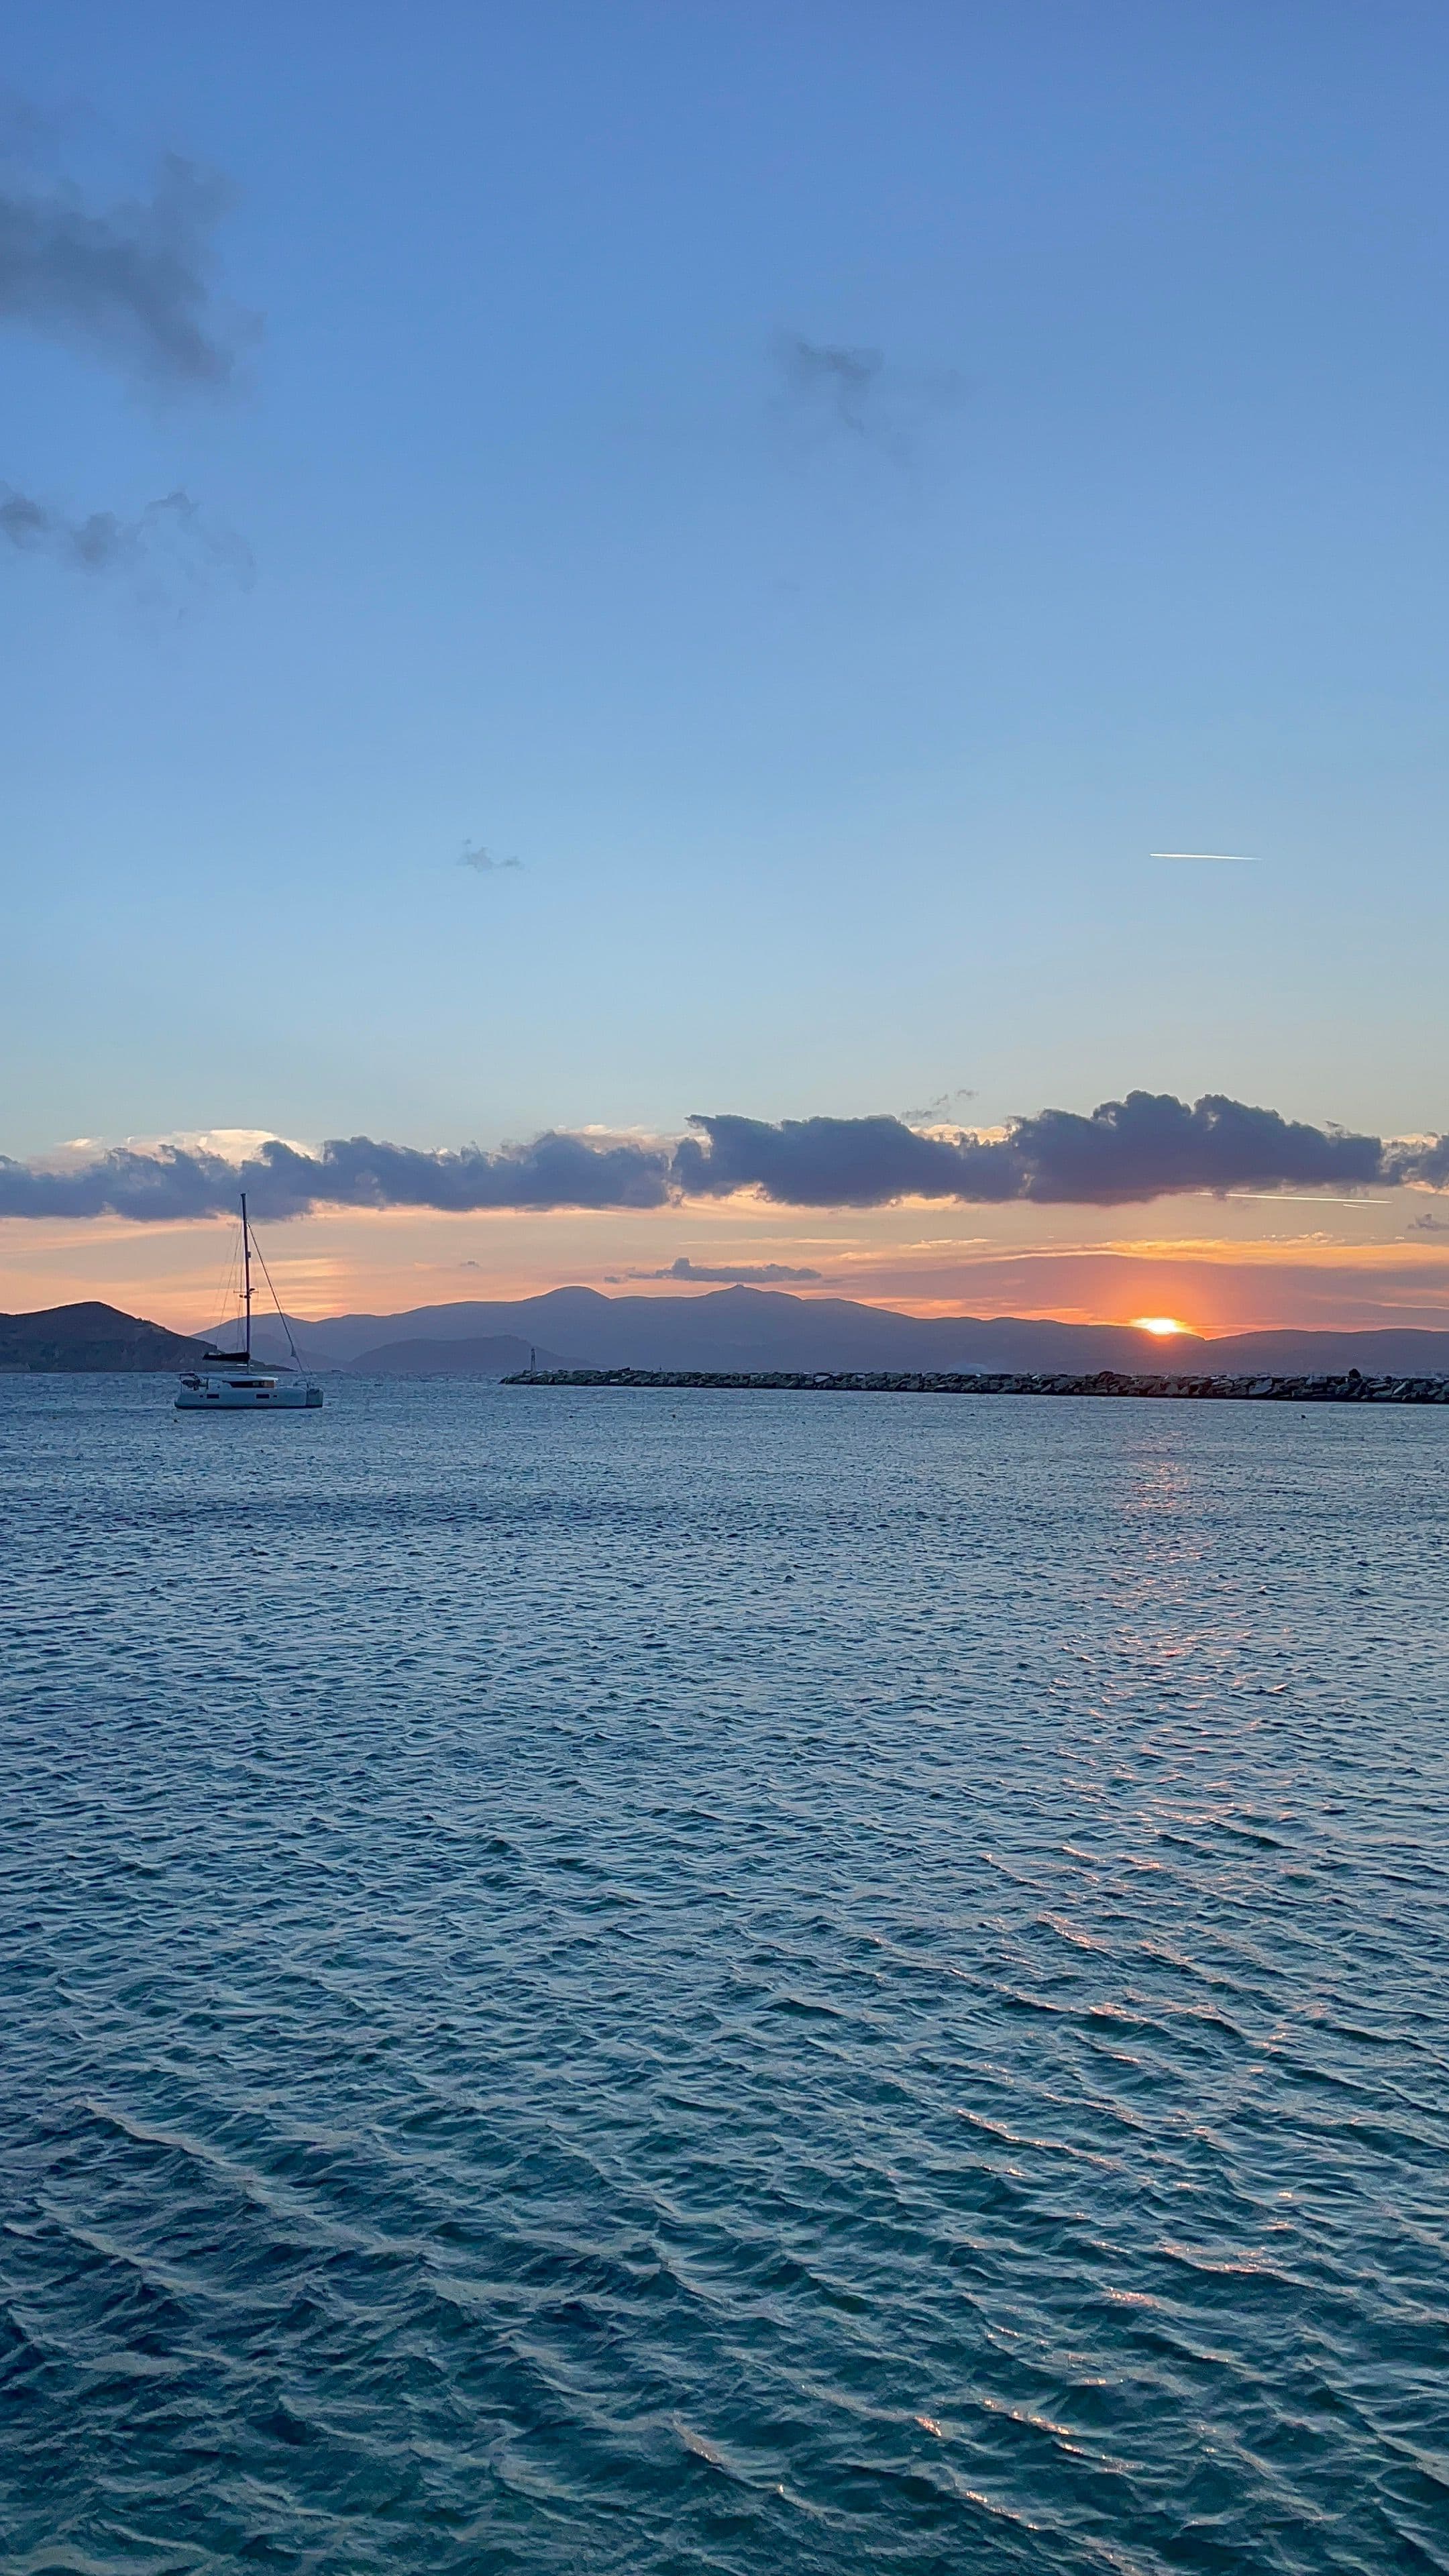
x=90 y=1336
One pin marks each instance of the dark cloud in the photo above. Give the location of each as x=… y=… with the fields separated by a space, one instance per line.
x=1423 y=1158
x=1152 y=1146
x=131 y=283
x=745 y=1274
x=171 y=546
x=1147 y=1146
x=482 y=861
x=171 y=1182
x=838 y=1162
x=553 y=1171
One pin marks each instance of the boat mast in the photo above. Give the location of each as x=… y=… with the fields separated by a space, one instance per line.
x=247 y=1277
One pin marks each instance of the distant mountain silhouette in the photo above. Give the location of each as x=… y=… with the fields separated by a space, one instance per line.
x=733 y=1328
x=766 y=1328
x=489 y=1355
x=90 y=1336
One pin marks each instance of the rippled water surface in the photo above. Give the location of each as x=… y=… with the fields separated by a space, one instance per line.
x=605 y=1981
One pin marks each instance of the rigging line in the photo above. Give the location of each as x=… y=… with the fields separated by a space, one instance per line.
x=276 y=1300
x=223 y=1301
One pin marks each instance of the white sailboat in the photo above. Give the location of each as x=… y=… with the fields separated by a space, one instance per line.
x=231 y=1381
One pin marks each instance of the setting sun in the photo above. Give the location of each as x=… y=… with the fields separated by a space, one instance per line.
x=1162 y=1324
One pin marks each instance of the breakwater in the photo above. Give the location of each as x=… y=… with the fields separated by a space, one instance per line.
x=1349 y=1388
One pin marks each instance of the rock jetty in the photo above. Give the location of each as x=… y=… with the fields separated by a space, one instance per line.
x=1350 y=1388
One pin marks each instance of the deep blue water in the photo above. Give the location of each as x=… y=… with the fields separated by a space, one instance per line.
x=688 y=1983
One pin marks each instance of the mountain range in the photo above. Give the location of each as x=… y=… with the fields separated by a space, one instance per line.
x=730 y=1328
x=760 y=1328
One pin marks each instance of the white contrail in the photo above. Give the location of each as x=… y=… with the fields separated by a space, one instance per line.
x=1214 y=858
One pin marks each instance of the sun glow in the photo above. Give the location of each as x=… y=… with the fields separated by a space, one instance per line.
x=1163 y=1325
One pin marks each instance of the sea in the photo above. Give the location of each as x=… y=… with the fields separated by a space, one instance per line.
x=721 y=1984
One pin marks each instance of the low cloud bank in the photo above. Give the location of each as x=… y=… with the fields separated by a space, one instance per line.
x=1147 y=1146
x=1144 y=1147
x=172 y=1182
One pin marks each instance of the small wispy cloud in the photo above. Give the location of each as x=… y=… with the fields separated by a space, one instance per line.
x=943 y=1111
x=735 y=1274
x=840 y=380
x=1210 y=858
x=171 y=550
x=482 y=862
x=855 y=390
x=131 y=282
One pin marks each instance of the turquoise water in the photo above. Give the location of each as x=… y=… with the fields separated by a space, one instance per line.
x=706 y=1983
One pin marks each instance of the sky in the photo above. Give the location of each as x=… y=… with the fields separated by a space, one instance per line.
x=566 y=570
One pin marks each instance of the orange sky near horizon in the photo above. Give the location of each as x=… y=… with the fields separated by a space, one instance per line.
x=1216 y=1265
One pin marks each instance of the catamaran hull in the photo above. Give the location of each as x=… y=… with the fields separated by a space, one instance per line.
x=218 y=1395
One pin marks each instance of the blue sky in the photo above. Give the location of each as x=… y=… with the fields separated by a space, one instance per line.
x=831 y=704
